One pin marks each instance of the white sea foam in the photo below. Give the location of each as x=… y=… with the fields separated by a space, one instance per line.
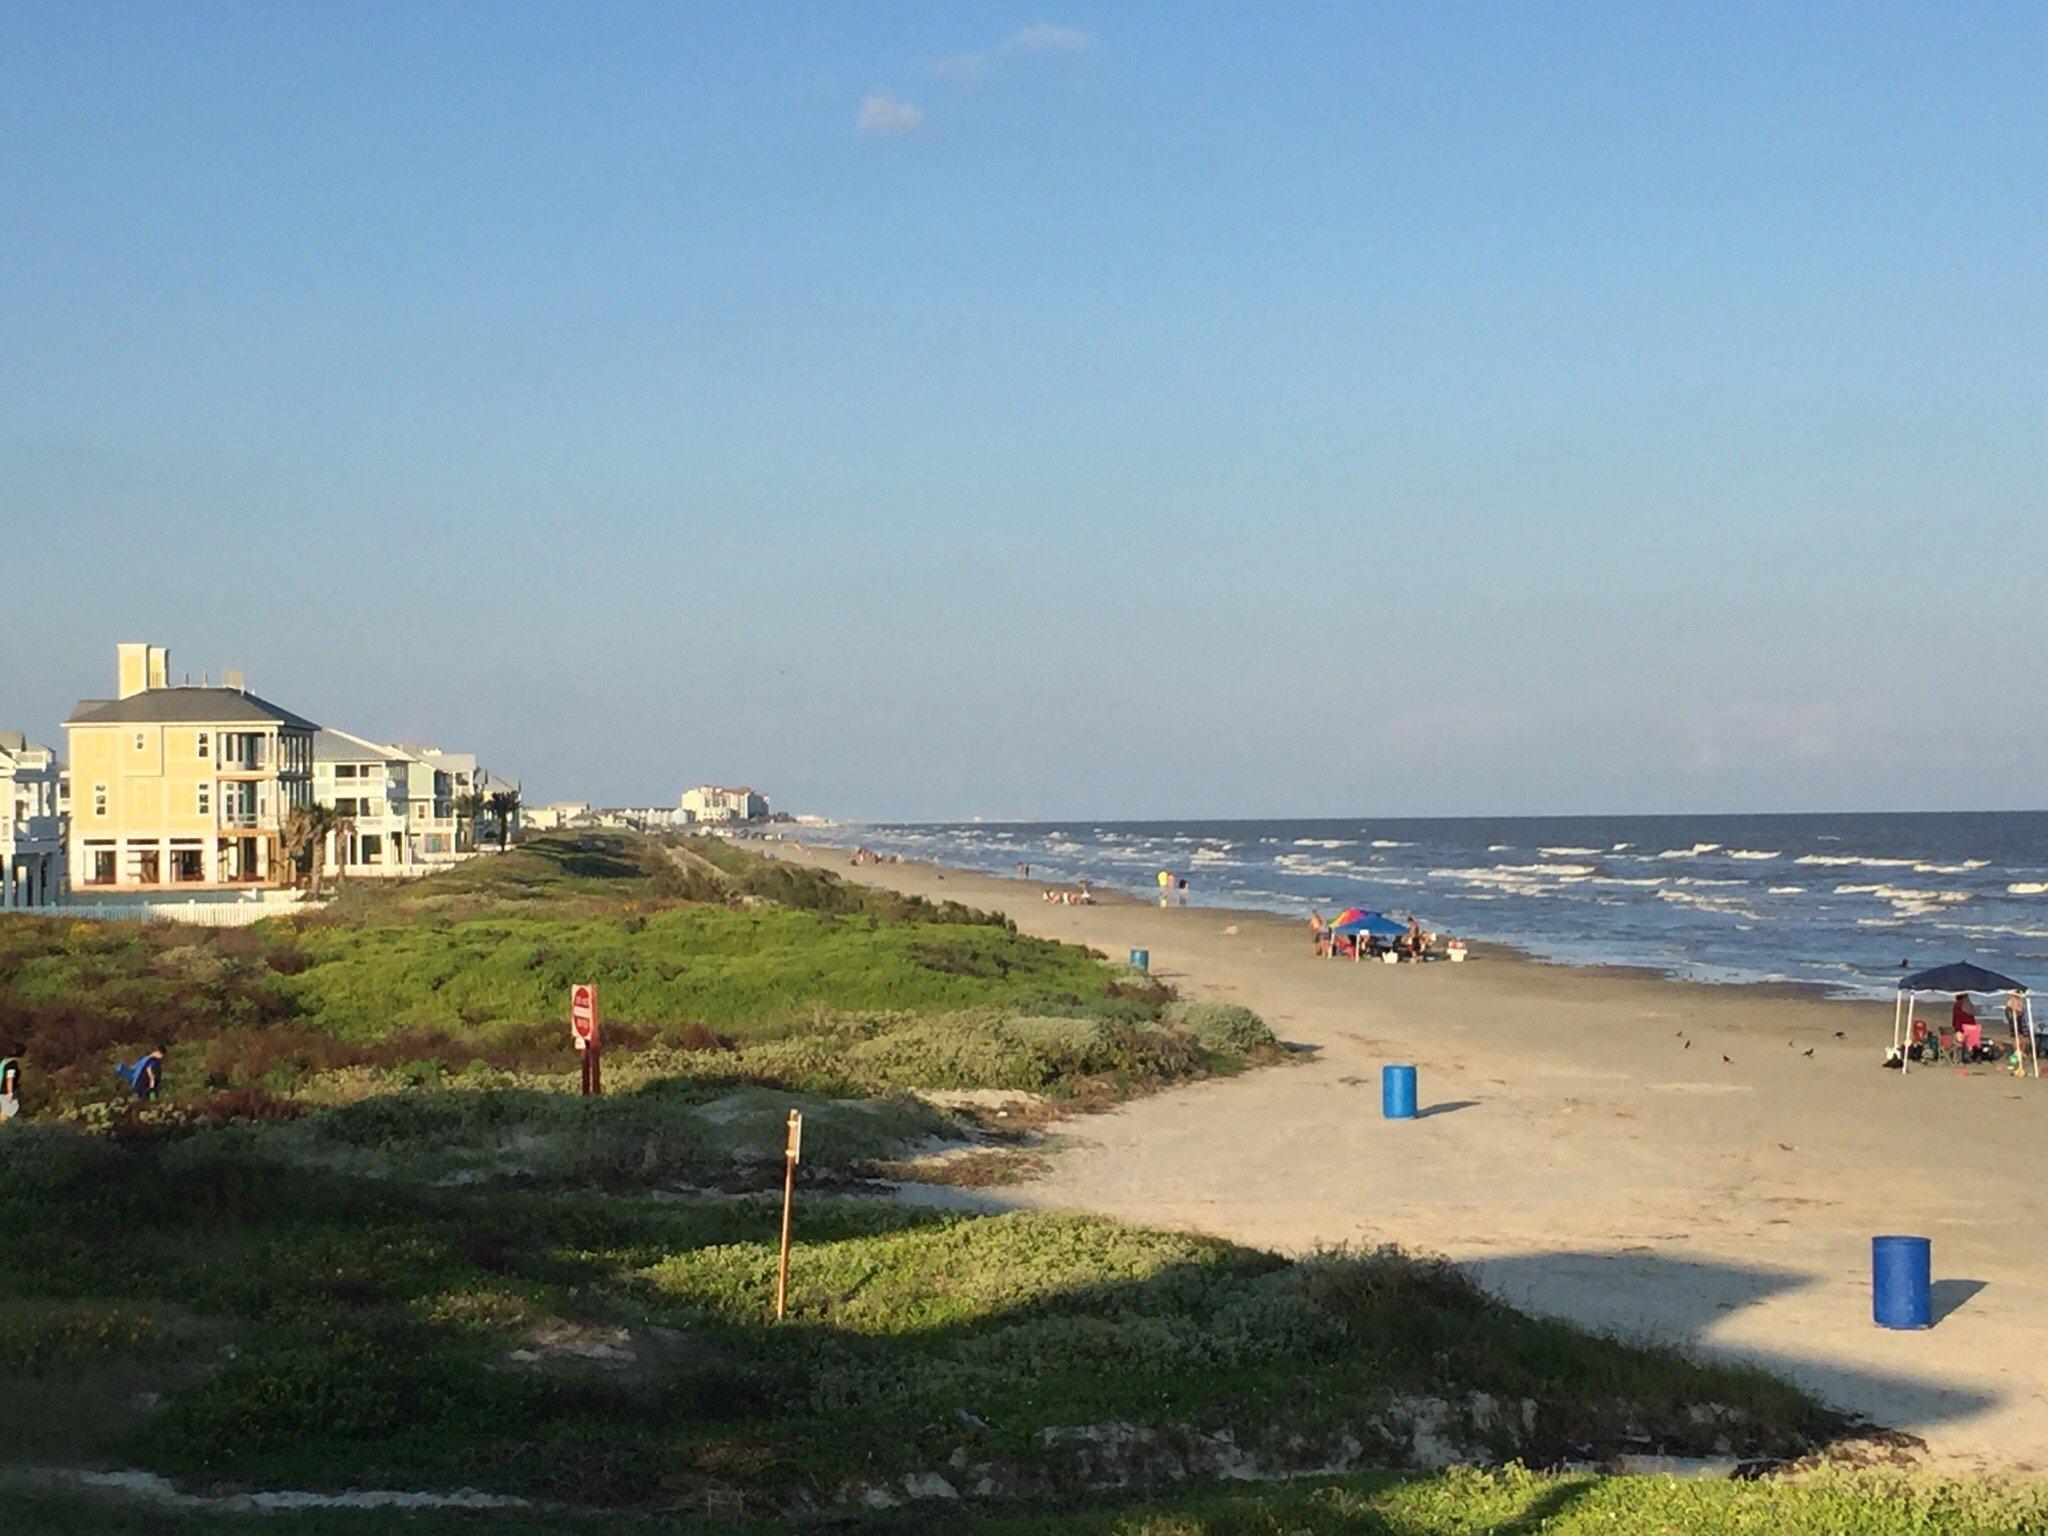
x=1325 y=842
x=1689 y=853
x=1388 y=842
x=2028 y=888
x=1209 y=856
x=1991 y=930
x=1568 y=853
x=1498 y=847
x=1963 y=868
x=1844 y=860
x=1755 y=853
x=1730 y=905
x=1905 y=900
x=1788 y=890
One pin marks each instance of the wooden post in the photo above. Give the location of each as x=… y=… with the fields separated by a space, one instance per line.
x=790 y=1152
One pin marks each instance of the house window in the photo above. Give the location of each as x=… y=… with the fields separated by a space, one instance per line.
x=99 y=799
x=204 y=795
x=344 y=770
x=102 y=866
x=204 y=738
x=138 y=741
x=188 y=866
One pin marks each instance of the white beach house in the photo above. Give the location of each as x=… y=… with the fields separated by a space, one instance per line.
x=31 y=823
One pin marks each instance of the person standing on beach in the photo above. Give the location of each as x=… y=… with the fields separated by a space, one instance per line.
x=1181 y=890
x=10 y=1087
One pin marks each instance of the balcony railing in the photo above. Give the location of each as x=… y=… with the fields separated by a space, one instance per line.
x=236 y=818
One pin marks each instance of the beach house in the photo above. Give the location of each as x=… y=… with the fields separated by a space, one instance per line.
x=463 y=776
x=400 y=806
x=31 y=823
x=713 y=802
x=181 y=787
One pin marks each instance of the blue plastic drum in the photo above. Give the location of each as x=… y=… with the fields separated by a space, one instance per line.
x=1141 y=959
x=1901 y=1282
x=1397 y=1093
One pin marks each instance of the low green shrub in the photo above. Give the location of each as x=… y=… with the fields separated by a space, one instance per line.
x=1226 y=1027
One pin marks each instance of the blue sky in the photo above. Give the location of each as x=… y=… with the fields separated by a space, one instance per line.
x=939 y=410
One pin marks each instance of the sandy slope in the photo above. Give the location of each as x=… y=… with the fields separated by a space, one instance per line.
x=1587 y=1163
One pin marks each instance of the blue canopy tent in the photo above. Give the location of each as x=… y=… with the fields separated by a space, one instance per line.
x=1366 y=925
x=1372 y=924
x=1961 y=976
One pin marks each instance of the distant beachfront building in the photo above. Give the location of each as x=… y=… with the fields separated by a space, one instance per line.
x=555 y=815
x=31 y=823
x=182 y=787
x=712 y=802
x=401 y=807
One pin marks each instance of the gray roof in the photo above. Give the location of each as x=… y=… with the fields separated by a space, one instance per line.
x=186 y=705
x=13 y=741
x=331 y=746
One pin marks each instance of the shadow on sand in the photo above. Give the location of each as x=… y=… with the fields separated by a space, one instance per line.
x=1657 y=1298
x=1448 y=1107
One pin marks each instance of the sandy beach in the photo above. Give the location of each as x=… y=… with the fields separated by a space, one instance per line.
x=1696 y=1164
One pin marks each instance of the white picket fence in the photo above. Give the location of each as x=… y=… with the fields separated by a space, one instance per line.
x=204 y=914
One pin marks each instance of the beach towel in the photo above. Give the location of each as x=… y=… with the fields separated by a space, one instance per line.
x=145 y=1077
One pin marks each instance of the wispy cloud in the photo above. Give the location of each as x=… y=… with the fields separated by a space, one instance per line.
x=882 y=114
x=1040 y=40
x=962 y=68
x=1049 y=40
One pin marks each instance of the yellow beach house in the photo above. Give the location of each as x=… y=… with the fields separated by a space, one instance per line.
x=181 y=787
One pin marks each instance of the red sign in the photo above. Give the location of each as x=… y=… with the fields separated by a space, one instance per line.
x=583 y=1014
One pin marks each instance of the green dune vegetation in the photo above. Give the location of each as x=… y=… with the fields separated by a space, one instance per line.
x=371 y=1239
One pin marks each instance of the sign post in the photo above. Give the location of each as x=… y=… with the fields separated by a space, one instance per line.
x=791 y=1151
x=583 y=1034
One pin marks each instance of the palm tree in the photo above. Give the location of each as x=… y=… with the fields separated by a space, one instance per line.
x=298 y=833
x=341 y=826
x=304 y=837
x=469 y=805
x=504 y=804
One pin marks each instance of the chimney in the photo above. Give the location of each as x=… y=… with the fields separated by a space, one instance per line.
x=159 y=666
x=131 y=665
x=232 y=678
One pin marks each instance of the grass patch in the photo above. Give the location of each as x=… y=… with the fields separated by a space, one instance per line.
x=725 y=968
x=339 y=1330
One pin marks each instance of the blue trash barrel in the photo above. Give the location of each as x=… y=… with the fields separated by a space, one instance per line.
x=1901 y=1282
x=1397 y=1093
x=1141 y=959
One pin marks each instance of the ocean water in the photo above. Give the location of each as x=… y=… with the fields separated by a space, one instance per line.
x=1839 y=901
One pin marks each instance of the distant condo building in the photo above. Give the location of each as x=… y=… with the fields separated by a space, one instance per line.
x=31 y=823
x=711 y=802
x=184 y=787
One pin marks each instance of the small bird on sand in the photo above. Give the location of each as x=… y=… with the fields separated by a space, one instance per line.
x=1688 y=1045
x=1808 y=1051
x=1841 y=1034
x=1726 y=1062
